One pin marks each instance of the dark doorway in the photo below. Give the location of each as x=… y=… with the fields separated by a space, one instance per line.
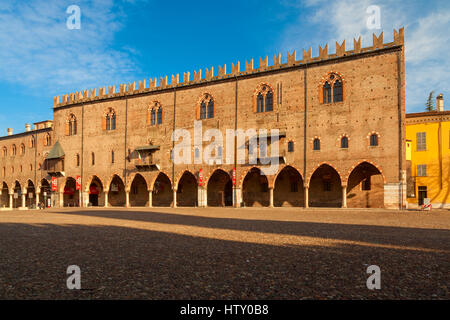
x=93 y=199
x=422 y=195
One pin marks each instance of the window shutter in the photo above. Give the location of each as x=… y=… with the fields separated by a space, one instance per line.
x=67 y=128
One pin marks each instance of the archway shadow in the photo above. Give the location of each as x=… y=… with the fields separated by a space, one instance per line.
x=401 y=236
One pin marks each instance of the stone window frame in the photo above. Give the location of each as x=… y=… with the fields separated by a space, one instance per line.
x=13 y=150
x=331 y=78
x=339 y=141
x=320 y=143
x=22 y=149
x=155 y=106
x=369 y=135
x=206 y=98
x=32 y=142
x=291 y=142
x=48 y=140
x=262 y=90
x=71 y=125
x=5 y=152
x=110 y=114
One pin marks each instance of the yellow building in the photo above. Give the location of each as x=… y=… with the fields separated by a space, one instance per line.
x=428 y=156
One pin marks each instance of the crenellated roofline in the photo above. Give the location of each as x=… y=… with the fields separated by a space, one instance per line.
x=91 y=95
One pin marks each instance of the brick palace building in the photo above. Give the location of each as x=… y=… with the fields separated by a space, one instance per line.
x=341 y=137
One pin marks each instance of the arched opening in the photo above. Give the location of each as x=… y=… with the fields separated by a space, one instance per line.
x=288 y=191
x=325 y=188
x=162 y=191
x=5 y=196
x=46 y=193
x=255 y=190
x=31 y=194
x=187 y=191
x=116 y=194
x=96 y=194
x=17 y=196
x=71 y=195
x=220 y=189
x=365 y=187
x=139 y=192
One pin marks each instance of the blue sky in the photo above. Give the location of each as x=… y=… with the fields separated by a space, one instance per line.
x=129 y=40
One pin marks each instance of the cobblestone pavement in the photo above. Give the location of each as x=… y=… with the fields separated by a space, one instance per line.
x=217 y=253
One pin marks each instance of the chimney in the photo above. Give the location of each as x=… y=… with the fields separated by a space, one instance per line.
x=9 y=131
x=440 y=102
x=27 y=127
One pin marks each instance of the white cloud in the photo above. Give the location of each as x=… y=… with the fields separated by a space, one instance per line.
x=38 y=51
x=427 y=37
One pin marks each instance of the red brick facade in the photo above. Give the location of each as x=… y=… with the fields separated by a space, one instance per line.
x=105 y=152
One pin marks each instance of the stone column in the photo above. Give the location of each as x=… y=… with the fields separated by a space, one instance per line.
x=106 y=199
x=271 y=197
x=150 y=198
x=306 y=195
x=37 y=199
x=11 y=200
x=344 y=196
x=237 y=197
x=174 y=198
x=127 y=196
x=202 y=196
x=24 y=198
x=85 y=199
x=61 y=199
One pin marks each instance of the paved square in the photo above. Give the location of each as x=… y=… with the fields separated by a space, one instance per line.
x=216 y=253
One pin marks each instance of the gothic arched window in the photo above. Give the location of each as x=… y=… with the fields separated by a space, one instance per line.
x=269 y=101
x=156 y=114
x=344 y=142
x=332 y=89
x=153 y=117
x=159 y=116
x=374 y=140
x=210 y=109
x=260 y=103
x=110 y=120
x=206 y=107
x=316 y=144
x=264 y=99
x=71 y=125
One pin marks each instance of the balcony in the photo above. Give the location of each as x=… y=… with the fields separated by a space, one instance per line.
x=146 y=164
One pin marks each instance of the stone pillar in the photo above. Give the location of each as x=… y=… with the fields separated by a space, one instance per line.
x=150 y=198
x=174 y=198
x=11 y=200
x=344 y=196
x=271 y=197
x=127 y=196
x=85 y=199
x=306 y=195
x=237 y=197
x=106 y=199
x=37 y=199
x=61 y=199
x=202 y=197
x=24 y=198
